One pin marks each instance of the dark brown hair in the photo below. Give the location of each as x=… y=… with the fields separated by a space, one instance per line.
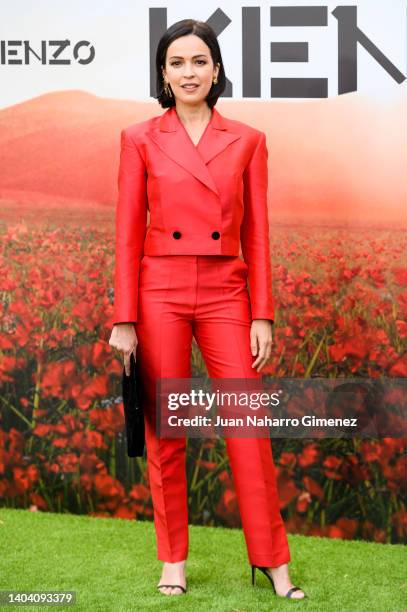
x=207 y=34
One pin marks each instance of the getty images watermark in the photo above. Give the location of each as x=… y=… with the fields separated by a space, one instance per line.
x=281 y=408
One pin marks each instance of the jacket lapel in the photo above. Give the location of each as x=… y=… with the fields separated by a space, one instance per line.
x=173 y=139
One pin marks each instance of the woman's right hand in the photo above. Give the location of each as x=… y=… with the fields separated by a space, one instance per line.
x=124 y=339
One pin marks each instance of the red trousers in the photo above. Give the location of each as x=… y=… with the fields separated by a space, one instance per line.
x=205 y=296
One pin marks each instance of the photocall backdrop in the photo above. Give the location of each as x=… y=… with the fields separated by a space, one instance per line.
x=326 y=82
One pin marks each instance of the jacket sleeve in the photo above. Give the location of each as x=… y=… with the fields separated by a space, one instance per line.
x=131 y=222
x=254 y=233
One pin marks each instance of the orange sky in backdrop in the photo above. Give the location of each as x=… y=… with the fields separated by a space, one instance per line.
x=340 y=160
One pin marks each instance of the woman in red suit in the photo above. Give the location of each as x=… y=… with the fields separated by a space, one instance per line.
x=203 y=179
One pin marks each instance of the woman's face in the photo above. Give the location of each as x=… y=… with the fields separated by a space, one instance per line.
x=189 y=61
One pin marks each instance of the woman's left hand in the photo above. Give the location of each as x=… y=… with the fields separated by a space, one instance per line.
x=260 y=342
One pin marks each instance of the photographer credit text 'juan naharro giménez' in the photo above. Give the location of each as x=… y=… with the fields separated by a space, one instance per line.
x=282 y=407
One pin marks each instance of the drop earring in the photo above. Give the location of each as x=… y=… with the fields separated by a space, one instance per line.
x=167 y=89
x=215 y=79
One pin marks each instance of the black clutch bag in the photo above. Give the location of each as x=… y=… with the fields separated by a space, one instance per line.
x=133 y=409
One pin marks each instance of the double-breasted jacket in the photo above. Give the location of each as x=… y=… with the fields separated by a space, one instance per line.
x=205 y=199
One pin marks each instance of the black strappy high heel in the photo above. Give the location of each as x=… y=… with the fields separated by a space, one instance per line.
x=172 y=586
x=289 y=592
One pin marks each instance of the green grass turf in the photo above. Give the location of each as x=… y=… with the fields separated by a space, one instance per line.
x=112 y=565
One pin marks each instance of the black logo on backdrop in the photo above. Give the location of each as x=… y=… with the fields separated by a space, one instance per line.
x=349 y=36
x=50 y=52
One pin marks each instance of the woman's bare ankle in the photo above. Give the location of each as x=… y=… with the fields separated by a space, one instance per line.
x=173 y=573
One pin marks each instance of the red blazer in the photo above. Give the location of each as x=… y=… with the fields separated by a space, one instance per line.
x=203 y=200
